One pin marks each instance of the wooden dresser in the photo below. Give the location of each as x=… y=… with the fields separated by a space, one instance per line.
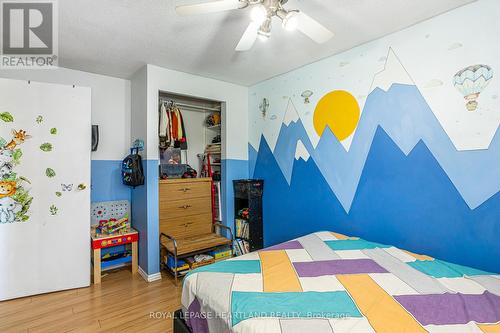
x=186 y=223
x=185 y=207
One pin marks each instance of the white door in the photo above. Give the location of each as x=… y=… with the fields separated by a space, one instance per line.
x=44 y=214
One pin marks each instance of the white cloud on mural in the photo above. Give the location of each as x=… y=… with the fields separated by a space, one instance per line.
x=434 y=83
x=454 y=46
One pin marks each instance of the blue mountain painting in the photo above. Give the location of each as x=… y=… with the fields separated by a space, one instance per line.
x=406 y=117
x=403 y=197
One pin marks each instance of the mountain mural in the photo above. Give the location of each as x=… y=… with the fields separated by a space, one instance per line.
x=402 y=182
x=404 y=200
x=405 y=116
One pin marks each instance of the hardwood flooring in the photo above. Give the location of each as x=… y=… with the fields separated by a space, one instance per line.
x=121 y=303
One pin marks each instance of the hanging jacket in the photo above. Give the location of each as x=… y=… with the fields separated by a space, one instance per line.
x=174 y=125
x=164 y=121
x=183 y=140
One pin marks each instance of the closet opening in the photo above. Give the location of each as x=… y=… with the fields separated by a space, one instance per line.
x=191 y=141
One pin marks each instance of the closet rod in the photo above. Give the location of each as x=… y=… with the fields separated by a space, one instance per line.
x=196 y=107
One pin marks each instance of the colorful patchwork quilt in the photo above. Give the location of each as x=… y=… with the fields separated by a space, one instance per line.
x=328 y=282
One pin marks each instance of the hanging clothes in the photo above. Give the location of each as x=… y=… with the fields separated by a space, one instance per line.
x=180 y=139
x=171 y=128
x=164 y=122
x=175 y=126
x=183 y=144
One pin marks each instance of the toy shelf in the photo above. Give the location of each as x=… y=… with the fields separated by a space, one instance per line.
x=116 y=262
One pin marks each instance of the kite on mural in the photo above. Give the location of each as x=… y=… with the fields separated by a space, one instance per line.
x=471 y=81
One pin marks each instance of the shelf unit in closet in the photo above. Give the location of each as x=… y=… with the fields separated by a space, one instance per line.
x=213 y=158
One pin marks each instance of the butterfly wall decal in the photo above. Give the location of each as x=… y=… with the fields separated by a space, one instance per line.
x=67 y=187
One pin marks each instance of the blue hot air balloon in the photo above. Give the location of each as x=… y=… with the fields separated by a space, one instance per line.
x=471 y=81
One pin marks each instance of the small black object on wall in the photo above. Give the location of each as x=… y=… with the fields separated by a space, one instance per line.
x=95 y=137
x=248 y=194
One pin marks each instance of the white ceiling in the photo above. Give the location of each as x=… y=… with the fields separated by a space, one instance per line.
x=117 y=37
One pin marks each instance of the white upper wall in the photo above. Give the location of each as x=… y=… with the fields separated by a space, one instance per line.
x=235 y=115
x=139 y=86
x=110 y=105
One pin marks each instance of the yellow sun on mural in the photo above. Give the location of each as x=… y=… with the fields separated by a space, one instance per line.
x=338 y=110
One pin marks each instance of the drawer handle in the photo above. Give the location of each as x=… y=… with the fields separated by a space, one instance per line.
x=185 y=207
x=185 y=189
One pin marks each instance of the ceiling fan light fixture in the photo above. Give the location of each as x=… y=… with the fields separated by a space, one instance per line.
x=265 y=30
x=291 y=21
x=258 y=14
x=263 y=36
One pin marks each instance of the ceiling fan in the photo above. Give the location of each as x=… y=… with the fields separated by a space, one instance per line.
x=261 y=16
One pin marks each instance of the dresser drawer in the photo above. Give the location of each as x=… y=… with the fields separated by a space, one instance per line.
x=178 y=208
x=179 y=191
x=187 y=226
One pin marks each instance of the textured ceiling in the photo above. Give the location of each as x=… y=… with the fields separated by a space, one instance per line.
x=117 y=37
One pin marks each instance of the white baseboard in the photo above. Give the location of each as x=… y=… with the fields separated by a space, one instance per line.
x=151 y=277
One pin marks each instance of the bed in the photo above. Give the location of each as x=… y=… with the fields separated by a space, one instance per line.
x=328 y=282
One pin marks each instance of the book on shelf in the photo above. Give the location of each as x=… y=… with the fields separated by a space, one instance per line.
x=242 y=228
x=241 y=247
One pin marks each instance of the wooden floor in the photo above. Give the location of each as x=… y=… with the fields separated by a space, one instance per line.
x=122 y=303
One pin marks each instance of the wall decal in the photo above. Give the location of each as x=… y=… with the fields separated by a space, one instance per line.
x=49 y=172
x=471 y=81
x=39 y=119
x=307 y=95
x=67 y=187
x=46 y=147
x=339 y=111
x=7 y=188
x=53 y=210
x=18 y=138
x=15 y=199
x=264 y=105
x=6 y=117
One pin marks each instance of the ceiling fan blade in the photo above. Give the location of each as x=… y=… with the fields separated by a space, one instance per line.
x=313 y=29
x=209 y=7
x=249 y=37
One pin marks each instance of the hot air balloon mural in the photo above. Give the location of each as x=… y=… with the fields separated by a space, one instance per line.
x=471 y=81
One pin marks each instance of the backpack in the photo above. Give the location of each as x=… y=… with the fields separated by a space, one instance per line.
x=132 y=171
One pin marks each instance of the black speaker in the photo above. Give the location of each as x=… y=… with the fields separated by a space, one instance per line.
x=95 y=137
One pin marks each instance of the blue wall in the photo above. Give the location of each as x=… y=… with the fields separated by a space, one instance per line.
x=145 y=218
x=106 y=181
x=231 y=170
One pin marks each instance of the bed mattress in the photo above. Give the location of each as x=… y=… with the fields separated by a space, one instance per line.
x=328 y=282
